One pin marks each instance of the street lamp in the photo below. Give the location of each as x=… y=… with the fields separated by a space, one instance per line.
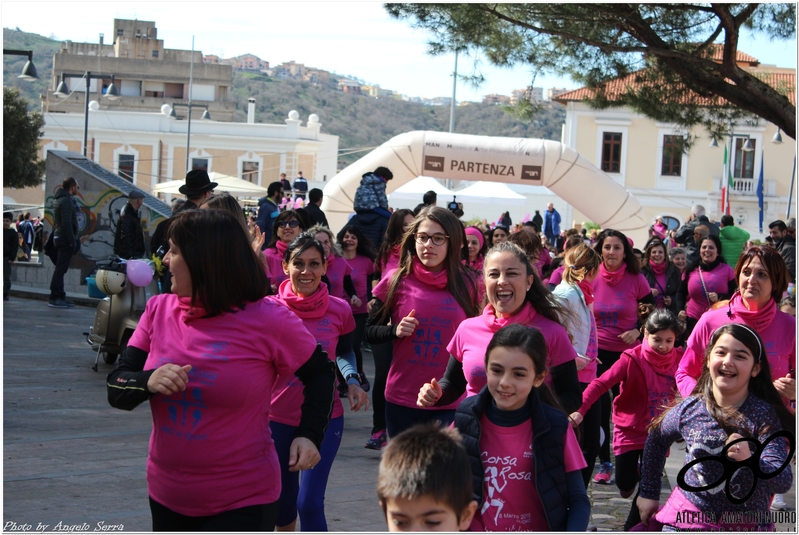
x=206 y=117
x=29 y=70
x=63 y=92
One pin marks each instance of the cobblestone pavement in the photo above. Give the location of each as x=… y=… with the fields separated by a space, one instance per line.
x=69 y=458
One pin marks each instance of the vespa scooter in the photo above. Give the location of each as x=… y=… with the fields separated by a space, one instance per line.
x=118 y=314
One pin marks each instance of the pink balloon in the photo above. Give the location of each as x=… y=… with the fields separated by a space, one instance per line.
x=139 y=272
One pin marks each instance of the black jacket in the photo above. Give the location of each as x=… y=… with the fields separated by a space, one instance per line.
x=65 y=219
x=10 y=244
x=317 y=215
x=787 y=249
x=673 y=281
x=129 y=236
x=549 y=431
x=373 y=226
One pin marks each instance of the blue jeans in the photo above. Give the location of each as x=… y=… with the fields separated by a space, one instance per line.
x=306 y=496
x=399 y=418
x=64 y=253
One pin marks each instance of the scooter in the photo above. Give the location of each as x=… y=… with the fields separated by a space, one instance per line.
x=118 y=314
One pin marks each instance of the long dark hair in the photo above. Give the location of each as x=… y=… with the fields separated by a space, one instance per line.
x=693 y=265
x=730 y=419
x=633 y=266
x=530 y=341
x=286 y=215
x=538 y=295
x=364 y=248
x=394 y=233
x=226 y=274
x=461 y=281
x=772 y=262
x=651 y=244
x=225 y=201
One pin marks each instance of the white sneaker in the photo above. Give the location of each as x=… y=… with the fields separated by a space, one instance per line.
x=778 y=504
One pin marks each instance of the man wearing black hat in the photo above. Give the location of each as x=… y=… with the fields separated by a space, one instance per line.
x=198 y=187
x=129 y=236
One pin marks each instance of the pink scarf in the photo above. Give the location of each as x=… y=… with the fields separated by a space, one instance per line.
x=311 y=307
x=281 y=247
x=436 y=279
x=662 y=364
x=477 y=265
x=495 y=323
x=612 y=278
x=658 y=269
x=587 y=288
x=759 y=320
x=188 y=312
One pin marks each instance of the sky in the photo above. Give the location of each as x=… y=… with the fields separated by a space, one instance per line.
x=349 y=38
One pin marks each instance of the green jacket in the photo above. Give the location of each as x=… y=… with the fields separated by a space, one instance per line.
x=733 y=239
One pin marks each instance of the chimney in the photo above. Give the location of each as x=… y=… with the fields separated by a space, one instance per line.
x=251 y=111
x=101 y=39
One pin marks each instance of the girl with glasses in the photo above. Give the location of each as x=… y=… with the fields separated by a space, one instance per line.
x=288 y=226
x=425 y=300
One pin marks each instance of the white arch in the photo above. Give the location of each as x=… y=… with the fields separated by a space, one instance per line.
x=533 y=162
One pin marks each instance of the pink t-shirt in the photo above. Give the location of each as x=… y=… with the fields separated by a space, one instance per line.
x=423 y=356
x=362 y=269
x=211 y=449
x=287 y=394
x=391 y=264
x=616 y=309
x=588 y=374
x=469 y=344
x=543 y=260
x=274 y=261
x=716 y=280
x=510 y=498
x=266 y=267
x=557 y=275
x=336 y=271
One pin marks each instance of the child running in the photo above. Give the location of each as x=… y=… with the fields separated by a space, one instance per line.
x=423 y=483
x=526 y=461
x=645 y=372
x=734 y=398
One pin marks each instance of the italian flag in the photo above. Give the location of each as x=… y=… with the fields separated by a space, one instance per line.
x=726 y=189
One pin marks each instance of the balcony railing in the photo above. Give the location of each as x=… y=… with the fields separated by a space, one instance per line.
x=744 y=186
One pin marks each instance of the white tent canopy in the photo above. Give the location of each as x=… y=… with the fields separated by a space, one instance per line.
x=490 y=193
x=533 y=162
x=416 y=188
x=235 y=186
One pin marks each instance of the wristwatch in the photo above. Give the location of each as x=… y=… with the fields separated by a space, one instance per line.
x=354 y=376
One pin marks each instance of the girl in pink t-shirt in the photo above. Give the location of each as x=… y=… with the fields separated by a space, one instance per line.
x=329 y=320
x=645 y=372
x=388 y=257
x=288 y=226
x=515 y=295
x=526 y=462
x=425 y=300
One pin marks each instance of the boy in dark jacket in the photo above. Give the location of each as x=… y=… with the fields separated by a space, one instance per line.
x=371 y=205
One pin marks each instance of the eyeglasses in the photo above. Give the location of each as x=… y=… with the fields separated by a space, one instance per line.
x=438 y=239
x=293 y=224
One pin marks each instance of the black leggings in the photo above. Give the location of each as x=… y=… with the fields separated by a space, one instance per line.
x=357 y=336
x=608 y=359
x=250 y=518
x=382 y=353
x=627 y=476
x=589 y=438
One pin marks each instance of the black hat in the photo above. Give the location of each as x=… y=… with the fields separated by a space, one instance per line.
x=197 y=183
x=135 y=194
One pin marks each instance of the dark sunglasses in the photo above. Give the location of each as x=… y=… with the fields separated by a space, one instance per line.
x=293 y=223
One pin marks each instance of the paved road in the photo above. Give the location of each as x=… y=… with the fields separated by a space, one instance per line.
x=70 y=458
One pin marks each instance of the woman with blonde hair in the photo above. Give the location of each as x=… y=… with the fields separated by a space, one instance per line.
x=575 y=293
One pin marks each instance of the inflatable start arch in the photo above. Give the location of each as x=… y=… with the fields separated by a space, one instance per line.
x=533 y=162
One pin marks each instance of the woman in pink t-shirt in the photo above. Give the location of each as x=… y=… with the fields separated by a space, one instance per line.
x=359 y=255
x=288 y=226
x=618 y=290
x=329 y=319
x=476 y=245
x=204 y=360
x=387 y=261
x=425 y=300
x=515 y=295
x=704 y=283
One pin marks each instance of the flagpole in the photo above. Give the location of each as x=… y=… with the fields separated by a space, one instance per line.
x=790 y=191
